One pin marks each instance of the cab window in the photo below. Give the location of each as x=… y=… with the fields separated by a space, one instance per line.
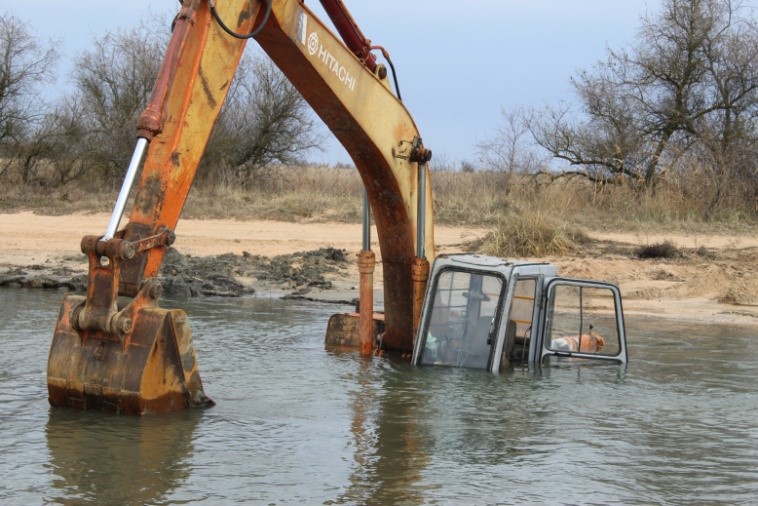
x=460 y=330
x=519 y=327
x=582 y=319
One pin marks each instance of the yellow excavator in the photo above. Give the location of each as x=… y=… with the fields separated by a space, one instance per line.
x=115 y=349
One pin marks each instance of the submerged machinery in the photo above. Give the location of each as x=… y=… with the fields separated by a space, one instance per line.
x=117 y=350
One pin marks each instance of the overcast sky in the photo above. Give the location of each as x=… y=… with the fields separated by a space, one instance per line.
x=458 y=63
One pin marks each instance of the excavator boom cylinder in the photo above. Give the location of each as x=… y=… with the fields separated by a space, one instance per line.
x=131 y=173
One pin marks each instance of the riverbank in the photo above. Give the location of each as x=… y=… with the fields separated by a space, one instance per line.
x=713 y=279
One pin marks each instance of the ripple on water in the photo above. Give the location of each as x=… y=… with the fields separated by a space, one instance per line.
x=295 y=423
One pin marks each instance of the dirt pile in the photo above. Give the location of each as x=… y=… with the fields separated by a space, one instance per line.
x=226 y=275
x=708 y=284
x=233 y=275
x=41 y=276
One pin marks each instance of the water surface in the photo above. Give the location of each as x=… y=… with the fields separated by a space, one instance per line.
x=295 y=423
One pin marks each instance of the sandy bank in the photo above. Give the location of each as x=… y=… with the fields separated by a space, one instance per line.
x=715 y=281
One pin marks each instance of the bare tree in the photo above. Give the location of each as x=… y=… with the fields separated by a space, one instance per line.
x=728 y=135
x=25 y=64
x=264 y=121
x=114 y=80
x=510 y=149
x=690 y=81
x=57 y=153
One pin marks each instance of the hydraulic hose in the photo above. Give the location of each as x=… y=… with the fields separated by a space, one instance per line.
x=242 y=36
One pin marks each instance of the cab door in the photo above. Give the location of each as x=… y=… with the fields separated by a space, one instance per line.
x=461 y=316
x=582 y=319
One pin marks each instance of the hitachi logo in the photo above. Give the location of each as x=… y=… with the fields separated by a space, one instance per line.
x=334 y=65
x=317 y=49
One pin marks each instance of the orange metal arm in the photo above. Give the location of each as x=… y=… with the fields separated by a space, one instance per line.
x=356 y=104
x=139 y=358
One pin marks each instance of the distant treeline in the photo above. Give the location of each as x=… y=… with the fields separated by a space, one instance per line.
x=673 y=118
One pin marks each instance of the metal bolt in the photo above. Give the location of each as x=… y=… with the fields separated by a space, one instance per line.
x=155 y=290
x=124 y=325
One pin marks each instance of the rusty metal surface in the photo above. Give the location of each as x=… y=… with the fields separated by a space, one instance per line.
x=134 y=359
x=343 y=330
x=100 y=306
x=350 y=32
x=366 y=265
x=139 y=358
x=376 y=130
x=192 y=85
x=152 y=118
x=153 y=370
x=420 y=275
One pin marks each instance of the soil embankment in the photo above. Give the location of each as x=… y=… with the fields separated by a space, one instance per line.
x=714 y=279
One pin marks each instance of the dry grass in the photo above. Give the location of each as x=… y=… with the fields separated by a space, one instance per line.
x=531 y=234
x=538 y=216
x=298 y=194
x=56 y=201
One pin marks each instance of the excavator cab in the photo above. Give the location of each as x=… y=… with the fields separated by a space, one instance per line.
x=484 y=312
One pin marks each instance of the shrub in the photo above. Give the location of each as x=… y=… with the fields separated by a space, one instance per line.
x=661 y=250
x=531 y=234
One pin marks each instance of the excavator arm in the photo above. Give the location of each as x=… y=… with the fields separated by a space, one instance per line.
x=135 y=357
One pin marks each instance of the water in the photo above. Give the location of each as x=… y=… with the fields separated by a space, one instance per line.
x=296 y=424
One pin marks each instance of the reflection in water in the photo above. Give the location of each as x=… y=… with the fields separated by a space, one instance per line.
x=401 y=455
x=398 y=457
x=108 y=459
x=388 y=458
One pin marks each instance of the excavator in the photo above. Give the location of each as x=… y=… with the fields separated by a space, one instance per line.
x=115 y=349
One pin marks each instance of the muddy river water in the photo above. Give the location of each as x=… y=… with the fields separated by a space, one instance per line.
x=297 y=424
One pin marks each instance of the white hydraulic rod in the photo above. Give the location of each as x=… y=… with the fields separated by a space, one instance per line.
x=366 y=222
x=421 y=212
x=126 y=187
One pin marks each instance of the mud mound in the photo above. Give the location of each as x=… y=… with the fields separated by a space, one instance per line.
x=232 y=275
x=38 y=276
x=226 y=275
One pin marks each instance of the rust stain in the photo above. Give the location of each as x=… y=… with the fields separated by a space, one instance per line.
x=150 y=194
x=137 y=379
x=245 y=14
x=175 y=157
x=207 y=89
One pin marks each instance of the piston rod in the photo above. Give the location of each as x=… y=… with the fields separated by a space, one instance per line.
x=366 y=222
x=366 y=265
x=421 y=213
x=126 y=187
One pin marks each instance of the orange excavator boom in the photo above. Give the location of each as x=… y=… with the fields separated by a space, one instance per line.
x=115 y=348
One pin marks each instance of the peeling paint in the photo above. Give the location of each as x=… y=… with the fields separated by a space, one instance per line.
x=245 y=14
x=151 y=193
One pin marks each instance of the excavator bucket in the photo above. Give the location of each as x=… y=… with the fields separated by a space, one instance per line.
x=149 y=368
